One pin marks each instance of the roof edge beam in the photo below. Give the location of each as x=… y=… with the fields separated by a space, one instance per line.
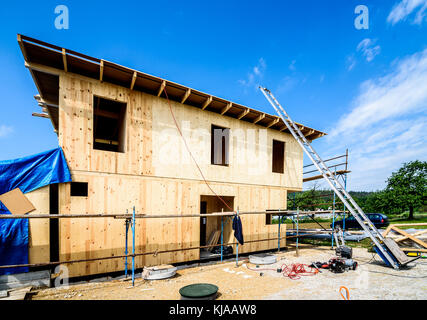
x=162 y=87
x=186 y=95
x=132 y=84
x=207 y=102
x=21 y=45
x=101 y=70
x=272 y=123
x=226 y=108
x=244 y=113
x=259 y=118
x=64 y=59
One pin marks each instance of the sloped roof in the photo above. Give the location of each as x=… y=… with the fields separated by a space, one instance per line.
x=39 y=53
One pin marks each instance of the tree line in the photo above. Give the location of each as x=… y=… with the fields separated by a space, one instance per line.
x=405 y=191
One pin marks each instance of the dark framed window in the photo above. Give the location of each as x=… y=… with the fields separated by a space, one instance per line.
x=220 y=138
x=108 y=124
x=278 y=156
x=79 y=189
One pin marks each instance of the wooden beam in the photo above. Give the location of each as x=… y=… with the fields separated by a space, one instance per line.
x=414 y=250
x=45 y=102
x=21 y=45
x=318 y=135
x=42 y=68
x=186 y=95
x=272 y=123
x=309 y=133
x=101 y=70
x=259 y=118
x=244 y=113
x=40 y=115
x=416 y=234
x=132 y=84
x=64 y=60
x=226 y=108
x=162 y=87
x=409 y=236
x=321 y=176
x=207 y=102
x=283 y=128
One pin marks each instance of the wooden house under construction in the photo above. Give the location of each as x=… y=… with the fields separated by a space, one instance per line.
x=118 y=129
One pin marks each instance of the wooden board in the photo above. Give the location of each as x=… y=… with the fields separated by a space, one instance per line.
x=16 y=202
x=396 y=251
x=17 y=294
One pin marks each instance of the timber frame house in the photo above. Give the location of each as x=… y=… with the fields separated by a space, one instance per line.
x=109 y=120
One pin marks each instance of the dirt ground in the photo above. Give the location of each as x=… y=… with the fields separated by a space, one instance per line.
x=372 y=280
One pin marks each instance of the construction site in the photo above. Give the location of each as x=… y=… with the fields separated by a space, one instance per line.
x=158 y=191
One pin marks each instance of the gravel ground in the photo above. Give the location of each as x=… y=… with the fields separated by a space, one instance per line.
x=372 y=280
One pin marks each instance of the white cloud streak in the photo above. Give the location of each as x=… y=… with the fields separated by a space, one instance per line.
x=256 y=74
x=5 y=130
x=369 y=49
x=402 y=10
x=386 y=125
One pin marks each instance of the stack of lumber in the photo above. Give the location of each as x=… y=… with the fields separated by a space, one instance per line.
x=409 y=242
x=213 y=239
x=15 y=294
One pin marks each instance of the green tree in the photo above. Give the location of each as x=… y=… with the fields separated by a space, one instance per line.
x=407 y=186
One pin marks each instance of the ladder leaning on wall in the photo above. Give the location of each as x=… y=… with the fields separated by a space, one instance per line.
x=387 y=249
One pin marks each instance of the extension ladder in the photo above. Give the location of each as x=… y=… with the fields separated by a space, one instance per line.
x=387 y=249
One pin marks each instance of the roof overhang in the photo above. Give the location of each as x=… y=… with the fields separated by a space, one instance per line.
x=38 y=55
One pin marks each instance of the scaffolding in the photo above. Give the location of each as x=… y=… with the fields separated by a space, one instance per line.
x=130 y=220
x=339 y=167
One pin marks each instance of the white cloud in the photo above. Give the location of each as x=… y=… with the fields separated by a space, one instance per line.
x=369 y=49
x=292 y=65
x=405 y=8
x=255 y=75
x=5 y=130
x=351 y=62
x=286 y=84
x=386 y=125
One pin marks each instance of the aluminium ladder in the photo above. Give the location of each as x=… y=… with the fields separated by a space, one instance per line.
x=388 y=249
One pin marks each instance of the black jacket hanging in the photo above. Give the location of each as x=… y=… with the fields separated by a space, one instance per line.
x=238 y=230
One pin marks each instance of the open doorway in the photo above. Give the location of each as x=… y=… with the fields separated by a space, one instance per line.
x=210 y=227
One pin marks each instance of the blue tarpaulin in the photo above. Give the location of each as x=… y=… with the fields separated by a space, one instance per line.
x=27 y=174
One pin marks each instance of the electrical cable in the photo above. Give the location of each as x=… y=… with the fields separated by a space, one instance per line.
x=191 y=154
x=293 y=272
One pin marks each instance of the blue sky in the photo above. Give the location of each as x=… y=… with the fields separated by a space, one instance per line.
x=366 y=88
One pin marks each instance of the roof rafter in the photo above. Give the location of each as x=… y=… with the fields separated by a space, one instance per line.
x=186 y=95
x=244 y=113
x=162 y=87
x=132 y=84
x=207 y=102
x=226 y=108
x=272 y=123
x=64 y=60
x=259 y=118
x=101 y=70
